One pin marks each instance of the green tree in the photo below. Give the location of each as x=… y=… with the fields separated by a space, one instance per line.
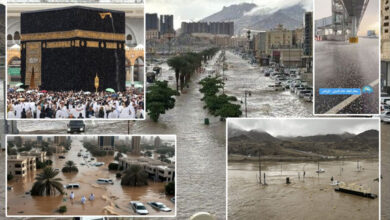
x=69 y=167
x=113 y=166
x=148 y=154
x=170 y=188
x=135 y=176
x=159 y=99
x=176 y=63
x=47 y=184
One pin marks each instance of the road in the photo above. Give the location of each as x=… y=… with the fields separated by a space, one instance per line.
x=344 y=65
x=201 y=164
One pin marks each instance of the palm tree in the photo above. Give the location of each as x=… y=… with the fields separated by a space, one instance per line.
x=135 y=176
x=176 y=63
x=70 y=166
x=47 y=184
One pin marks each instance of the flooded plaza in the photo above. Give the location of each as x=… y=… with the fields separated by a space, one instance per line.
x=109 y=199
x=312 y=197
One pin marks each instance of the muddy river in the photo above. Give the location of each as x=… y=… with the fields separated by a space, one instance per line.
x=311 y=197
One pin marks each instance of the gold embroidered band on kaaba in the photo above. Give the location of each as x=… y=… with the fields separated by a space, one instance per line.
x=73 y=34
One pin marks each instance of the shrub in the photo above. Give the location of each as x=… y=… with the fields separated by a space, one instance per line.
x=170 y=188
x=113 y=166
x=62 y=209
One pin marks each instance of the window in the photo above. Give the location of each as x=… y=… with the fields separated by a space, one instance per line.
x=386 y=24
x=129 y=37
x=17 y=35
x=9 y=37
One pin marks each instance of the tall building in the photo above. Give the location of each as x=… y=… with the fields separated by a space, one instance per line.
x=157 y=142
x=59 y=140
x=308 y=38
x=151 y=21
x=106 y=142
x=167 y=30
x=136 y=145
x=385 y=46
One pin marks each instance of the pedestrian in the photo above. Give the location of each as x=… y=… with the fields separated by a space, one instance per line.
x=304 y=174
x=83 y=199
x=71 y=195
x=92 y=197
x=331 y=179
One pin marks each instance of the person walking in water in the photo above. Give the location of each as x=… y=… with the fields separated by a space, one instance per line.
x=71 y=196
x=92 y=197
x=83 y=199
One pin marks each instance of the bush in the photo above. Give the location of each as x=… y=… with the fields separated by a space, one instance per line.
x=170 y=188
x=113 y=166
x=118 y=175
x=70 y=169
x=40 y=165
x=10 y=177
x=62 y=209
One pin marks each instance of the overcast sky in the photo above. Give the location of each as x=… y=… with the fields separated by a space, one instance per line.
x=194 y=10
x=370 y=21
x=306 y=127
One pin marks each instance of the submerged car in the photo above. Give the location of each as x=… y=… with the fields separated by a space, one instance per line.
x=159 y=206
x=385 y=117
x=72 y=185
x=139 y=208
x=104 y=181
x=76 y=126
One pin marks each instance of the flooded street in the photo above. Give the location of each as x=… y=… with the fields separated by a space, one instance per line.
x=109 y=199
x=200 y=149
x=344 y=65
x=385 y=166
x=311 y=198
x=264 y=101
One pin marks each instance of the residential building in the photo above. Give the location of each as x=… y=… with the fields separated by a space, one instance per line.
x=157 y=142
x=385 y=46
x=18 y=165
x=157 y=170
x=106 y=143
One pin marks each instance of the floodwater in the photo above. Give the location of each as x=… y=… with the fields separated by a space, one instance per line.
x=385 y=165
x=201 y=164
x=311 y=198
x=109 y=199
x=344 y=65
x=264 y=101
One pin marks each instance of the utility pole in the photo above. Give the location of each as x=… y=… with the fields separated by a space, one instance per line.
x=260 y=168
x=246 y=110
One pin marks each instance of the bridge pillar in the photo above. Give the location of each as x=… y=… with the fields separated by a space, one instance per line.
x=353 y=38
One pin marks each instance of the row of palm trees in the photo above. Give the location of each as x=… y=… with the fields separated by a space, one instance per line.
x=189 y=63
x=47 y=183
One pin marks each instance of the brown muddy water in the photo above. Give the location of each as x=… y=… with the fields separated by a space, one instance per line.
x=311 y=198
x=385 y=169
x=109 y=199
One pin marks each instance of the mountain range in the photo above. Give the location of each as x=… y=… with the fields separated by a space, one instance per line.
x=252 y=142
x=248 y=15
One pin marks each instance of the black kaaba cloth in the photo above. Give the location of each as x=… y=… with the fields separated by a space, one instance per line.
x=66 y=48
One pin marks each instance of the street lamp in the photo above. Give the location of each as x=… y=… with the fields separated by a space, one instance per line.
x=249 y=39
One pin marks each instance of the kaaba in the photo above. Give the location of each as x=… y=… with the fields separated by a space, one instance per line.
x=73 y=48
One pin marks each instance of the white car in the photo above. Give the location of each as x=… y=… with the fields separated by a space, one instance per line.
x=104 y=181
x=159 y=206
x=139 y=208
x=72 y=185
x=385 y=117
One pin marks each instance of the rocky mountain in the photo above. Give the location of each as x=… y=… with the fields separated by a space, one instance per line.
x=252 y=142
x=247 y=15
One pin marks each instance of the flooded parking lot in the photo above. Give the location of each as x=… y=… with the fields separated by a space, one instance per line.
x=109 y=199
x=310 y=198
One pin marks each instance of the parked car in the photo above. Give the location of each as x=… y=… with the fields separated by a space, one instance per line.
x=98 y=164
x=302 y=93
x=139 y=208
x=104 y=181
x=61 y=157
x=385 y=117
x=76 y=126
x=308 y=97
x=159 y=206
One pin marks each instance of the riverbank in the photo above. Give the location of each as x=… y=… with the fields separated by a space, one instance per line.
x=242 y=158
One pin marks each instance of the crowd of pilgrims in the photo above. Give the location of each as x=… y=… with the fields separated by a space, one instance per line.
x=71 y=104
